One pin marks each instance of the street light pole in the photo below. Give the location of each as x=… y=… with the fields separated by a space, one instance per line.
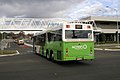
x=117 y=28
x=118 y=32
x=116 y=24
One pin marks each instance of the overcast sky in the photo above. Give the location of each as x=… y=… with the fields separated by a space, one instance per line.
x=58 y=8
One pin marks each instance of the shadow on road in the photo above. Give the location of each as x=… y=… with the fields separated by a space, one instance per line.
x=74 y=63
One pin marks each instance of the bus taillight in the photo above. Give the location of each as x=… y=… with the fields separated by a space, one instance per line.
x=91 y=51
x=67 y=26
x=67 y=52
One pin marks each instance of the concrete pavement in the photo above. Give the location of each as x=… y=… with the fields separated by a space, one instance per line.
x=108 y=47
x=29 y=66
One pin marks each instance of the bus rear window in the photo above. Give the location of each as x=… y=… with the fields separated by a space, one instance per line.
x=78 y=34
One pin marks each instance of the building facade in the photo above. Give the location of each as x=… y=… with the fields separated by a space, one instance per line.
x=106 y=29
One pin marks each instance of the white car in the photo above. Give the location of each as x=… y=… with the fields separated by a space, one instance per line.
x=20 y=42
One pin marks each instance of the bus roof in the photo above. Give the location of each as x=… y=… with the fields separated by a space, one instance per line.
x=57 y=26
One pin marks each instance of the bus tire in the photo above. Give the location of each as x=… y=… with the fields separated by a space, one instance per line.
x=51 y=55
x=47 y=54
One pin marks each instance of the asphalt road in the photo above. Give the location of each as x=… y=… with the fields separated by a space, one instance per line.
x=28 y=66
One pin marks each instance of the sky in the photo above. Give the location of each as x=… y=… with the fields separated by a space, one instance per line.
x=74 y=9
x=95 y=8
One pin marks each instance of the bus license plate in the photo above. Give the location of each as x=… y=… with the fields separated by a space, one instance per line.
x=79 y=58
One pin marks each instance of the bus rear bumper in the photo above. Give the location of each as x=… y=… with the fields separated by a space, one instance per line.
x=88 y=57
x=79 y=58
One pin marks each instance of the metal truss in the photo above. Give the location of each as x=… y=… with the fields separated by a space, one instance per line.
x=29 y=24
x=36 y=24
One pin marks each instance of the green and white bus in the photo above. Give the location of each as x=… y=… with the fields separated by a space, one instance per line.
x=73 y=41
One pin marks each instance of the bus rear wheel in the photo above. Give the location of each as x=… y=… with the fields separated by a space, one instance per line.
x=47 y=54
x=51 y=55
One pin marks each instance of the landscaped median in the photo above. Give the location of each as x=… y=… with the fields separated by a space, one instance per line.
x=8 y=52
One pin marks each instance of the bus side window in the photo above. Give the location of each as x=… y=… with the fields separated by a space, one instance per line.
x=37 y=41
x=50 y=37
x=59 y=37
x=42 y=39
x=54 y=37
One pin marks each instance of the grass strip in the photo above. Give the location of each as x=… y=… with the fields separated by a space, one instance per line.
x=4 y=52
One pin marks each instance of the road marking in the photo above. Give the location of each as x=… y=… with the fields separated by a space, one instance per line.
x=28 y=44
x=17 y=52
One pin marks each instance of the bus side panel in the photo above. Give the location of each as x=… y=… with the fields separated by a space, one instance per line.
x=56 y=47
x=42 y=51
x=78 y=50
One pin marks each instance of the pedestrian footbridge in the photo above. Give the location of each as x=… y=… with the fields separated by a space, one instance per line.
x=35 y=24
x=29 y=24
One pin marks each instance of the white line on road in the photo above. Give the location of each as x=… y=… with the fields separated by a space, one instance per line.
x=28 y=44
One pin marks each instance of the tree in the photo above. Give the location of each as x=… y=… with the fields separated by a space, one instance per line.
x=21 y=35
